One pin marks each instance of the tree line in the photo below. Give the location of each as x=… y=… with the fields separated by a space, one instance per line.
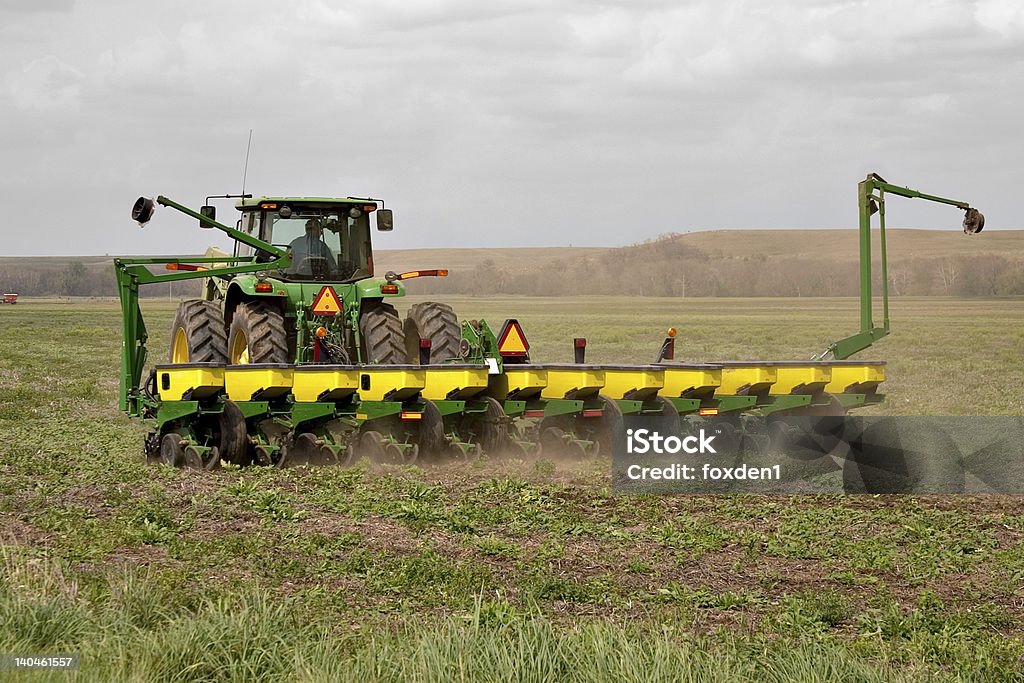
x=662 y=267
x=29 y=277
x=668 y=267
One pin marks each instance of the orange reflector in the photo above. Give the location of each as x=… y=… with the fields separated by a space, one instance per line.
x=268 y=206
x=512 y=341
x=706 y=412
x=326 y=302
x=321 y=332
x=422 y=273
x=593 y=413
x=411 y=416
x=671 y=332
x=264 y=287
x=370 y=207
x=389 y=289
x=183 y=266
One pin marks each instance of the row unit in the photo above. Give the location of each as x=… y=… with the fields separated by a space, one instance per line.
x=313 y=383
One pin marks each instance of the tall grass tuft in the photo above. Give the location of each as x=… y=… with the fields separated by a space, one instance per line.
x=137 y=631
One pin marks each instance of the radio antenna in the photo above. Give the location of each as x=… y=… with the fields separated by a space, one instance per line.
x=245 y=170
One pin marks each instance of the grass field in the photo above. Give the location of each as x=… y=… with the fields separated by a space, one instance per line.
x=503 y=570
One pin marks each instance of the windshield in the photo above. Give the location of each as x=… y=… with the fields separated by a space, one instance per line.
x=324 y=243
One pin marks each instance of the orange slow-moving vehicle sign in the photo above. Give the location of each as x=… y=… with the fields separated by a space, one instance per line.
x=326 y=302
x=512 y=341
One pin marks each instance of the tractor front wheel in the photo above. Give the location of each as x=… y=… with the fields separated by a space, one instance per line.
x=198 y=334
x=257 y=334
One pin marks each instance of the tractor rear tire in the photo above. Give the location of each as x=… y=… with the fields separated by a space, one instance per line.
x=383 y=338
x=436 y=322
x=199 y=334
x=257 y=334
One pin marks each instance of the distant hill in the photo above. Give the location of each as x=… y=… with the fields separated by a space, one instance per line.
x=462 y=260
x=841 y=245
x=733 y=263
x=708 y=263
x=902 y=243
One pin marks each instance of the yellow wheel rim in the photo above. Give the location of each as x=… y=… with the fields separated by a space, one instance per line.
x=240 y=350
x=179 y=349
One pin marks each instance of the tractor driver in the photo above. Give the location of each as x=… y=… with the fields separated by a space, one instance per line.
x=309 y=251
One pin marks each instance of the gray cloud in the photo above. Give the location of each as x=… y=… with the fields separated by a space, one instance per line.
x=36 y=6
x=509 y=123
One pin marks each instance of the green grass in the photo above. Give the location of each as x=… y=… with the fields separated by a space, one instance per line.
x=502 y=569
x=137 y=632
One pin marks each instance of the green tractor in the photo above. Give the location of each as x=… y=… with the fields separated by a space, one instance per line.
x=300 y=288
x=294 y=355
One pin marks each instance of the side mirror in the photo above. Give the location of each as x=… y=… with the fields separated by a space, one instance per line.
x=210 y=212
x=385 y=220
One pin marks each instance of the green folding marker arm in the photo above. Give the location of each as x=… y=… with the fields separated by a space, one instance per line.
x=133 y=272
x=871 y=199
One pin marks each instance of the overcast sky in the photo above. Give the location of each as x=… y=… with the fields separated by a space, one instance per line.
x=504 y=123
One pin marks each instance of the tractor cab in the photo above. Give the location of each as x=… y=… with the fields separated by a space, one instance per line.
x=328 y=240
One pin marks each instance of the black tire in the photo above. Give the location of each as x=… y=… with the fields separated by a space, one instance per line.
x=171 y=452
x=232 y=438
x=552 y=441
x=431 y=439
x=492 y=428
x=257 y=334
x=436 y=322
x=383 y=338
x=212 y=460
x=198 y=334
x=380 y=450
x=347 y=457
x=555 y=444
x=673 y=422
x=550 y=435
x=610 y=422
x=306 y=450
x=193 y=458
x=371 y=446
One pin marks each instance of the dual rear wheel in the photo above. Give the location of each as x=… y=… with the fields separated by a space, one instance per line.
x=258 y=333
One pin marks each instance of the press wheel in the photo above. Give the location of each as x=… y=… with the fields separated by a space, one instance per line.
x=171 y=452
x=306 y=449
